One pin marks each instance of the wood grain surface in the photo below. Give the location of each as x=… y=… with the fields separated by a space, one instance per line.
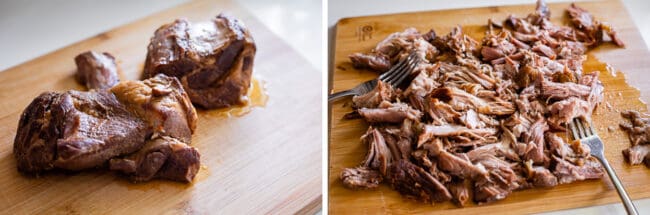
x=361 y=34
x=268 y=161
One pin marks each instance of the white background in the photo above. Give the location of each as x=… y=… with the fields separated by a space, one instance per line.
x=31 y=28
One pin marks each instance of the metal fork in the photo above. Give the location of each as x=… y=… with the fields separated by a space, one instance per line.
x=394 y=76
x=585 y=132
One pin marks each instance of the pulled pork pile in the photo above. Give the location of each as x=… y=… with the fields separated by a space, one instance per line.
x=478 y=119
x=639 y=131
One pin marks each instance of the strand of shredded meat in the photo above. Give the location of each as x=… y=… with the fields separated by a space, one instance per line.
x=639 y=132
x=480 y=117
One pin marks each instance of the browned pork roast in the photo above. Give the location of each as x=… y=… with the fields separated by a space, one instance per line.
x=142 y=127
x=213 y=60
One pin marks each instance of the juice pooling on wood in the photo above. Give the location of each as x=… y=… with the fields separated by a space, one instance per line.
x=257 y=96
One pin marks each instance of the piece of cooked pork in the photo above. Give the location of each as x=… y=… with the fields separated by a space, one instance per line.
x=77 y=130
x=213 y=60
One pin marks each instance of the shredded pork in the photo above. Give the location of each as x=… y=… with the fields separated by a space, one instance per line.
x=638 y=129
x=479 y=117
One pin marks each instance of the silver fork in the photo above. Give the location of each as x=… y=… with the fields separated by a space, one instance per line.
x=585 y=132
x=394 y=76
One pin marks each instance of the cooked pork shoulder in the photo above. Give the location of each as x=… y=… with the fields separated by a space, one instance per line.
x=361 y=178
x=372 y=99
x=162 y=157
x=377 y=61
x=413 y=181
x=213 y=60
x=567 y=172
x=75 y=130
x=162 y=102
x=96 y=70
x=80 y=130
x=638 y=131
x=590 y=30
x=638 y=154
x=459 y=192
x=481 y=117
x=391 y=50
x=389 y=113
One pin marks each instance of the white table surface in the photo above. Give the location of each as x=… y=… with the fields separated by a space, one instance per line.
x=337 y=9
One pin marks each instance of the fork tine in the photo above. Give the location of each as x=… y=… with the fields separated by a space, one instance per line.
x=369 y=86
x=398 y=70
x=581 y=128
x=407 y=72
x=395 y=71
x=405 y=67
x=585 y=127
x=392 y=70
x=578 y=128
x=574 y=130
x=588 y=128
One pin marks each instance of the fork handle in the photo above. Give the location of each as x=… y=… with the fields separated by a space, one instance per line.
x=629 y=206
x=338 y=95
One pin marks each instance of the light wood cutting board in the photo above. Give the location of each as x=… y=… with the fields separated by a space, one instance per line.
x=268 y=161
x=361 y=34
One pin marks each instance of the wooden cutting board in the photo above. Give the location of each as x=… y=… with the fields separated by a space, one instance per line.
x=268 y=161
x=361 y=34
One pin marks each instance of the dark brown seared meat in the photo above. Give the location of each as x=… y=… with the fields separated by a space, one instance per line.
x=377 y=62
x=482 y=117
x=213 y=60
x=96 y=70
x=162 y=157
x=38 y=130
x=74 y=131
x=96 y=128
x=413 y=181
x=81 y=130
